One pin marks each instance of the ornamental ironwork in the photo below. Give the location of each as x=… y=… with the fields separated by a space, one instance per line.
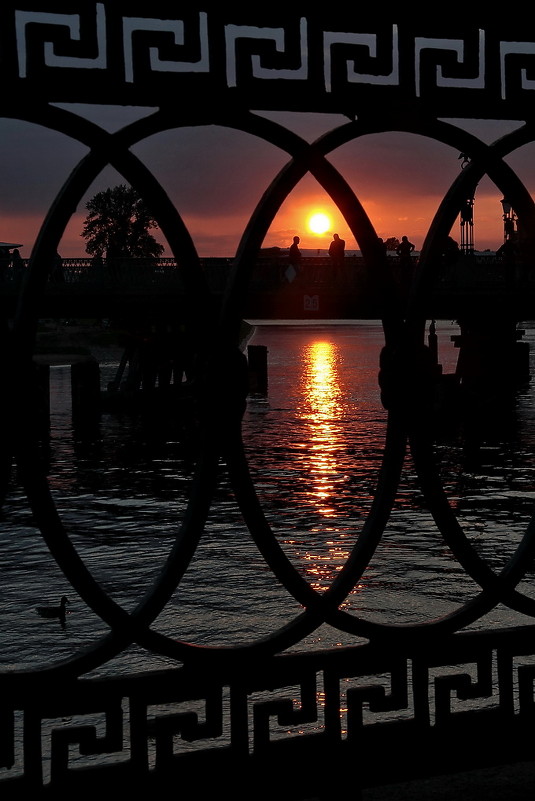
x=127 y=53
x=210 y=717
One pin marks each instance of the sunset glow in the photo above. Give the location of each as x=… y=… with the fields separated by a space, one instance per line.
x=216 y=204
x=319 y=222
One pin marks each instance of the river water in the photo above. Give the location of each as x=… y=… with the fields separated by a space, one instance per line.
x=315 y=445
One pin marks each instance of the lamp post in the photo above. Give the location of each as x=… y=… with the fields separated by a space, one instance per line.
x=509 y=220
x=467 y=227
x=466 y=216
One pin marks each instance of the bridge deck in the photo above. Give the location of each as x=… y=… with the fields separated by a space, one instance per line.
x=276 y=291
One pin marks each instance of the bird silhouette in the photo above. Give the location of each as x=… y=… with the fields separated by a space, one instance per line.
x=57 y=612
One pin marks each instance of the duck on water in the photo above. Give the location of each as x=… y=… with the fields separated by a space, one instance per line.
x=58 y=612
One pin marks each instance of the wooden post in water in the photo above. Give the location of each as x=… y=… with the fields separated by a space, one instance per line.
x=85 y=390
x=258 y=375
x=42 y=393
x=432 y=340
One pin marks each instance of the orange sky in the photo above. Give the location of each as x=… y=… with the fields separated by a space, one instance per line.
x=216 y=177
x=219 y=236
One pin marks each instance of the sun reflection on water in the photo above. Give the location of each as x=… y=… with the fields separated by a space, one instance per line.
x=322 y=409
x=317 y=449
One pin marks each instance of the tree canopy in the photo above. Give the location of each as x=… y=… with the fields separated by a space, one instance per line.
x=118 y=225
x=392 y=243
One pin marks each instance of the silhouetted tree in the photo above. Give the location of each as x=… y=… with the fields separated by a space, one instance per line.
x=392 y=243
x=118 y=225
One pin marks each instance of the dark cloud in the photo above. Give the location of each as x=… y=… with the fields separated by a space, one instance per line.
x=211 y=169
x=34 y=163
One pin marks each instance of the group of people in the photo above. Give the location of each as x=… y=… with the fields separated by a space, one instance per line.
x=405 y=249
x=336 y=251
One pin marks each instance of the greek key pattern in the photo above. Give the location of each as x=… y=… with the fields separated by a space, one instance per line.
x=25 y=19
x=459 y=48
x=411 y=692
x=154 y=726
x=254 y=55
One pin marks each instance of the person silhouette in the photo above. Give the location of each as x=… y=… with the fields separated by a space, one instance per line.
x=404 y=250
x=337 y=250
x=17 y=265
x=295 y=253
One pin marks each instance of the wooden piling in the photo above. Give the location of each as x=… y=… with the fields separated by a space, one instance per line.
x=42 y=395
x=257 y=368
x=85 y=390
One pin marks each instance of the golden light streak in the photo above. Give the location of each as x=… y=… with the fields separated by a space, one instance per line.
x=322 y=409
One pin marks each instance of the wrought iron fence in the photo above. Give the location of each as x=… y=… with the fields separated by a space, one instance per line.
x=255 y=719
x=370 y=714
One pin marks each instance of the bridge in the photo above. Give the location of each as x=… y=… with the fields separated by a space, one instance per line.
x=486 y=295
x=210 y=714
x=133 y=288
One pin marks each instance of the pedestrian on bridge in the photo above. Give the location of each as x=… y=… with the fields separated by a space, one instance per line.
x=337 y=250
x=294 y=256
x=17 y=266
x=295 y=253
x=404 y=251
x=337 y=253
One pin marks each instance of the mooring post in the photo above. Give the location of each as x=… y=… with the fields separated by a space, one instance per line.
x=42 y=385
x=432 y=340
x=258 y=376
x=85 y=390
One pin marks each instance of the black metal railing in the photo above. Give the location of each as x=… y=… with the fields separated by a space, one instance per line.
x=480 y=273
x=260 y=721
x=458 y=703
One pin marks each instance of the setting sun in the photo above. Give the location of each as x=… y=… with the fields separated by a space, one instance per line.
x=319 y=223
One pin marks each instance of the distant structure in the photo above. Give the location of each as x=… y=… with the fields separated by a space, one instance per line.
x=509 y=221
x=467 y=227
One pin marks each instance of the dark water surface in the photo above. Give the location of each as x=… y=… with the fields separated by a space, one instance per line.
x=315 y=445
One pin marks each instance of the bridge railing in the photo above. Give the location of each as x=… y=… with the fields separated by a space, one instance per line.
x=481 y=271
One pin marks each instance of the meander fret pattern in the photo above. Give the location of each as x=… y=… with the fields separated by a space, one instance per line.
x=335 y=55
x=162 y=721
x=421 y=694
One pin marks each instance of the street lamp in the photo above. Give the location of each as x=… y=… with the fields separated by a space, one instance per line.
x=509 y=219
x=467 y=227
